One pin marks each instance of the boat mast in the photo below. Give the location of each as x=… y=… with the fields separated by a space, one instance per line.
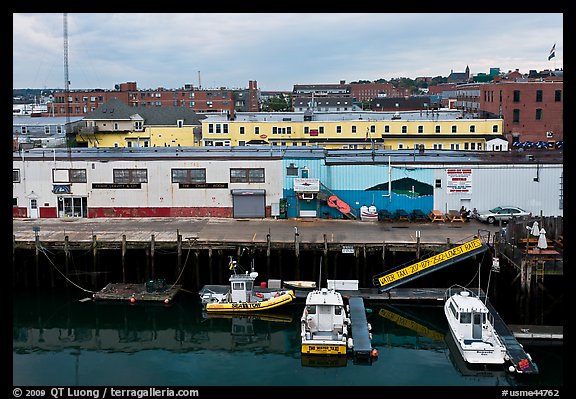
x=320 y=274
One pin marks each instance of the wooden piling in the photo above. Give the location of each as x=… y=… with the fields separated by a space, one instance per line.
x=37 y=253
x=13 y=260
x=152 y=267
x=197 y=267
x=297 y=245
x=66 y=255
x=179 y=253
x=268 y=252
x=94 y=258
x=123 y=258
x=211 y=263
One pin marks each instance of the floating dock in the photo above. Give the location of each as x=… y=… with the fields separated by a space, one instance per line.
x=360 y=330
x=136 y=292
x=538 y=335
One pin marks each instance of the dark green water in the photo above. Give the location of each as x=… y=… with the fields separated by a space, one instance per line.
x=60 y=341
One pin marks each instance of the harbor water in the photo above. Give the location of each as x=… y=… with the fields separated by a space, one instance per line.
x=60 y=339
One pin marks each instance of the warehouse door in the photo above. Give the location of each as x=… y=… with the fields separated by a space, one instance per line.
x=249 y=203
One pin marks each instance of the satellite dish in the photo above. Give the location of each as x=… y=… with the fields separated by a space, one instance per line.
x=254 y=274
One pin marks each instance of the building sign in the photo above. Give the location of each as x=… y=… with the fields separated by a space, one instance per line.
x=432 y=261
x=459 y=181
x=347 y=249
x=61 y=189
x=203 y=185
x=313 y=132
x=306 y=185
x=116 y=185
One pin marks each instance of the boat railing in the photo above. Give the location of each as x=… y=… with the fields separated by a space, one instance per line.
x=456 y=288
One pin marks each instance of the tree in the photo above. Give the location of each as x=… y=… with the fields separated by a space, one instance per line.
x=277 y=103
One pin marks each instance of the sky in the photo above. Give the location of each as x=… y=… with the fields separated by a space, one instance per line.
x=278 y=50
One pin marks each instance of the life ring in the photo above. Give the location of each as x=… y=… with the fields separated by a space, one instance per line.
x=259 y=295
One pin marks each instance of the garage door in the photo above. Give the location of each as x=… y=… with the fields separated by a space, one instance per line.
x=249 y=203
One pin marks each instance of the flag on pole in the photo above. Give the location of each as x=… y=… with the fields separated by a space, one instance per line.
x=552 y=52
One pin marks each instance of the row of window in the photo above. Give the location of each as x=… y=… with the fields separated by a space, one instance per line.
x=76 y=99
x=516 y=115
x=400 y=146
x=24 y=129
x=196 y=175
x=223 y=128
x=516 y=96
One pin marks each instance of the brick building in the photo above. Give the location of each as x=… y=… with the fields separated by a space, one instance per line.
x=531 y=110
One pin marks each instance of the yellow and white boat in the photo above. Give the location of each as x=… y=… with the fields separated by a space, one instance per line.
x=241 y=296
x=324 y=324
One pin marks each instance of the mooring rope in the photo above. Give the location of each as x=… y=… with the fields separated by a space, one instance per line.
x=43 y=250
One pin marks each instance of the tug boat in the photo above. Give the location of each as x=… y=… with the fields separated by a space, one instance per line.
x=471 y=326
x=324 y=324
x=241 y=295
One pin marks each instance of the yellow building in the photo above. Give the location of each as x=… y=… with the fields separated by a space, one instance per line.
x=116 y=124
x=362 y=130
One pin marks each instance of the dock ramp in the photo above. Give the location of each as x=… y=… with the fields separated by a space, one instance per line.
x=519 y=358
x=360 y=331
x=403 y=274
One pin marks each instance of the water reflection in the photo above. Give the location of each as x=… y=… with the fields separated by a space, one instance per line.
x=124 y=327
x=176 y=344
x=423 y=322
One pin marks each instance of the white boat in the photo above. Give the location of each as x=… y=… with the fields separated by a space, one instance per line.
x=241 y=295
x=472 y=328
x=324 y=324
x=300 y=285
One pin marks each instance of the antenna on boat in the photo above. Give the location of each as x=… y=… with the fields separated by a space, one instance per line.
x=232 y=264
x=320 y=274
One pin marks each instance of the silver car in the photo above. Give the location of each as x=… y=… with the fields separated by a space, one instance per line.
x=504 y=213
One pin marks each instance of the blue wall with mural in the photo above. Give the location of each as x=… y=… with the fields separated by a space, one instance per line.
x=358 y=185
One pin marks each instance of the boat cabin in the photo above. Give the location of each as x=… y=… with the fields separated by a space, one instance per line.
x=324 y=314
x=469 y=313
x=241 y=286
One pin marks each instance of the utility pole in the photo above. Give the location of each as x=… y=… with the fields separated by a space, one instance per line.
x=66 y=84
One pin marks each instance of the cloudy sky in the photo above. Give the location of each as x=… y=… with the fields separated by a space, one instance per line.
x=276 y=50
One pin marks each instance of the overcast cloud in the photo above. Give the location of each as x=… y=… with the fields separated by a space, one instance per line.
x=276 y=50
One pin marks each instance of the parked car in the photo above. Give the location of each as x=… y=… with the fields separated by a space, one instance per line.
x=504 y=213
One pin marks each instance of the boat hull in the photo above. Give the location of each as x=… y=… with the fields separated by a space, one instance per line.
x=226 y=307
x=477 y=356
x=471 y=328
